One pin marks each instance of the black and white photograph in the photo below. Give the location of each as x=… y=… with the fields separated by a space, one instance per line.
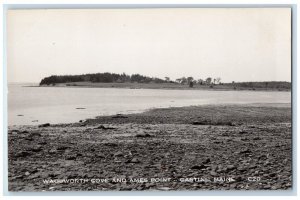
x=149 y=99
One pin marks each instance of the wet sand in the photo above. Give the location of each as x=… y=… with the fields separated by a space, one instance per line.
x=189 y=148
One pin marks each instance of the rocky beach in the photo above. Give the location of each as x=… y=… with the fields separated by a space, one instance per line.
x=209 y=147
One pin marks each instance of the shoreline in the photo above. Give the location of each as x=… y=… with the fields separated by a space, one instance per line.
x=288 y=105
x=168 y=86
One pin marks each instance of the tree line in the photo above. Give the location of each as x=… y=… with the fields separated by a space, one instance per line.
x=100 y=78
x=122 y=78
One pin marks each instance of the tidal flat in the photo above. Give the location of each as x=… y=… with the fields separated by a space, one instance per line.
x=223 y=145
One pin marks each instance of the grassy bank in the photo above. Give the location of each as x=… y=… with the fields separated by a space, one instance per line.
x=236 y=86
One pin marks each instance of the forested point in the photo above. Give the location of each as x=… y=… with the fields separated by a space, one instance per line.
x=137 y=78
x=100 y=78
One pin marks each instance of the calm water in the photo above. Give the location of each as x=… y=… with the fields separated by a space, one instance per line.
x=58 y=105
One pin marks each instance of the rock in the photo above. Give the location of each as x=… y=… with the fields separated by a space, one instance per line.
x=44 y=125
x=52 y=151
x=61 y=148
x=262 y=157
x=164 y=188
x=20 y=115
x=272 y=175
x=34 y=120
x=200 y=123
x=230 y=167
x=119 y=116
x=34 y=134
x=25 y=131
x=199 y=167
x=36 y=149
x=18 y=177
x=100 y=156
x=118 y=153
x=148 y=185
x=239 y=178
x=70 y=157
x=27 y=173
x=245 y=139
x=29 y=139
x=267 y=187
x=14 y=132
x=213 y=173
x=110 y=144
x=104 y=128
x=22 y=154
x=275 y=187
x=80 y=108
x=116 y=160
x=42 y=143
x=133 y=160
x=206 y=161
x=33 y=171
x=267 y=163
x=214 y=167
x=242 y=169
x=245 y=151
x=243 y=132
x=252 y=166
x=143 y=135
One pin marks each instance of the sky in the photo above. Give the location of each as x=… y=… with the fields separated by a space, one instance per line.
x=235 y=44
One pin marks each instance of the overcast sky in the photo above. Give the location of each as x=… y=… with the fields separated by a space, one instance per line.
x=234 y=44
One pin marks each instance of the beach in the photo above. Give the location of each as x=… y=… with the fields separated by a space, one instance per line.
x=208 y=147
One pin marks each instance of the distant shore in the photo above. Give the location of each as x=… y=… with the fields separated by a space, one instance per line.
x=224 y=87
